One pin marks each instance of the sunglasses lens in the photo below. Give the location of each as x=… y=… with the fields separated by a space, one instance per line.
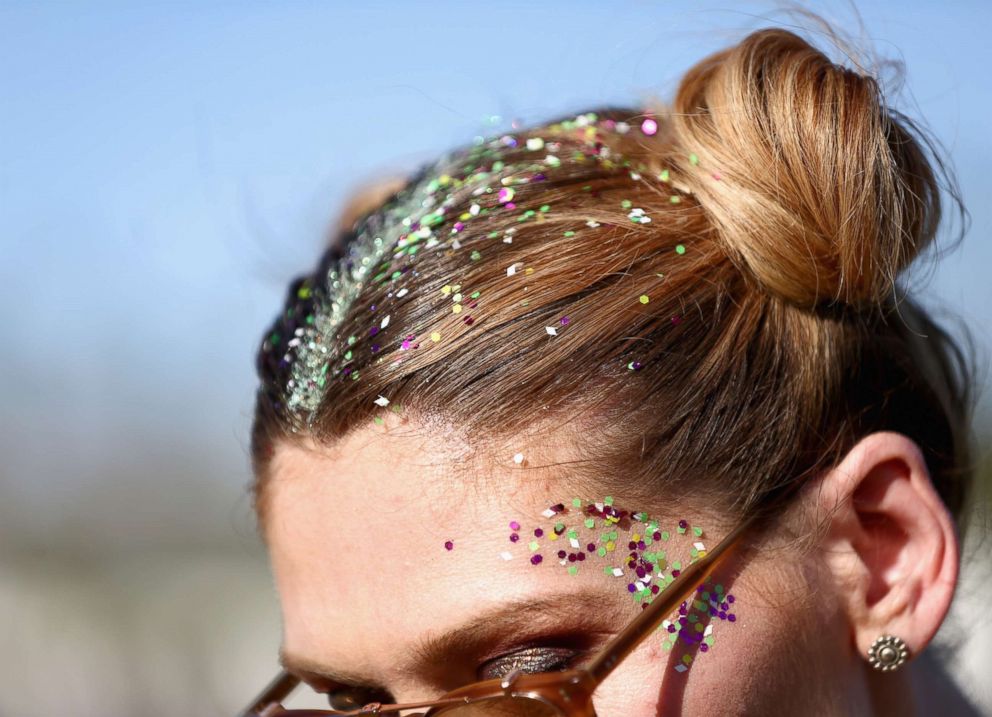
x=503 y=707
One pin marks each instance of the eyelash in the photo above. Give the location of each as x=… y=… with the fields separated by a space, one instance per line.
x=531 y=659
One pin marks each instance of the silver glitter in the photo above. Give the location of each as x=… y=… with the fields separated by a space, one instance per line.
x=381 y=241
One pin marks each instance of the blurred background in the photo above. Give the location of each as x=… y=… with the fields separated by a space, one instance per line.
x=167 y=168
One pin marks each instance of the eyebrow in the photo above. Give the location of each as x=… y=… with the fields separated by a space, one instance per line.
x=585 y=609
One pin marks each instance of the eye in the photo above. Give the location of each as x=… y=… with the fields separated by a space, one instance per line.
x=353 y=698
x=532 y=659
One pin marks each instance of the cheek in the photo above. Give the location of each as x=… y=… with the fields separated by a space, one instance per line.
x=750 y=665
x=789 y=633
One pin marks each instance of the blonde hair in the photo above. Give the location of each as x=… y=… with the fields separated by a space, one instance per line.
x=728 y=272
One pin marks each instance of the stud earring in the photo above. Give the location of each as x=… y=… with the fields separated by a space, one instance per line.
x=887 y=653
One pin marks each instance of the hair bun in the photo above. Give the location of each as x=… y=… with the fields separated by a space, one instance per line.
x=814 y=187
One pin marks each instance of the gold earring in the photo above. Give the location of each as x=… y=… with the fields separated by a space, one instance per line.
x=887 y=653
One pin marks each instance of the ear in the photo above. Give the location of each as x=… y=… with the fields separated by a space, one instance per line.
x=890 y=542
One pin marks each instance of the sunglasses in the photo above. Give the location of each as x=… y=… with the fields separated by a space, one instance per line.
x=518 y=694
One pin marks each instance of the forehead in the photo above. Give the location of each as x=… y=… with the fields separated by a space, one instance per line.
x=357 y=533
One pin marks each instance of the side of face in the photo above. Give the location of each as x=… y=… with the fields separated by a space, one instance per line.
x=408 y=561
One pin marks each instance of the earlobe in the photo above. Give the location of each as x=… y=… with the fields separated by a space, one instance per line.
x=890 y=542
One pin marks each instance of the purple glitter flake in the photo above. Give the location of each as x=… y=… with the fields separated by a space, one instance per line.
x=535 y=559
x=449 y=545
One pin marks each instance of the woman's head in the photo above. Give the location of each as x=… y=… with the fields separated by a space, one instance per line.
x=689 y=309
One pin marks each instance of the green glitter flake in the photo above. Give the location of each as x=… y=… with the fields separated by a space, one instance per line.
x=643 y=572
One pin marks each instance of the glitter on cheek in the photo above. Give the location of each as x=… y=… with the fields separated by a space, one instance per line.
x=592 y=529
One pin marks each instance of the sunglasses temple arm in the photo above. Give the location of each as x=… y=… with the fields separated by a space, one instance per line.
x=685 y=584
x=273 y=694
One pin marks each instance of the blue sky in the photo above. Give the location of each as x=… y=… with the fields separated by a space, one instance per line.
x=166 y=168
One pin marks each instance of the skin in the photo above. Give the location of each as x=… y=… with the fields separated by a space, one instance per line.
x=368 y=592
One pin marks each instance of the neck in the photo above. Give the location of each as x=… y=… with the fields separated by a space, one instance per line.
x=921 y=687
x=892 y=693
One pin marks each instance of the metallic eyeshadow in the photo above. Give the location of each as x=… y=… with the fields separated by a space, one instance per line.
x=531 y=659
